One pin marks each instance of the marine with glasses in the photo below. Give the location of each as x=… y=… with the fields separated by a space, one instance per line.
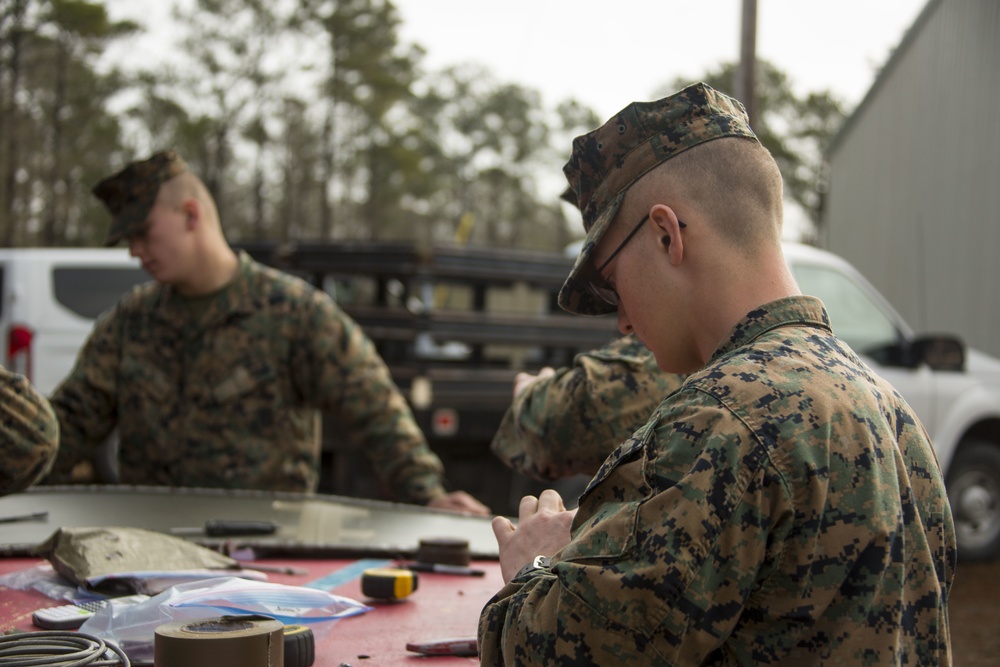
x=785 y=505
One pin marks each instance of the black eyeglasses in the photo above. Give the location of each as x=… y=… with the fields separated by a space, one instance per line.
x=598 y=286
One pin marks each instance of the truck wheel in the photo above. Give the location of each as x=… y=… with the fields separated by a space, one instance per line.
x=974 y=491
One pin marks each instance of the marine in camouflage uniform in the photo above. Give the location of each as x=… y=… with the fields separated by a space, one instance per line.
x=568 y=422
x=783 y=507
x=230 y=398
x=29 y=433
x=226 y=391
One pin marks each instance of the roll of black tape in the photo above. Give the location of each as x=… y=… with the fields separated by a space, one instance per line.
x=446 y=551
x=300 y=646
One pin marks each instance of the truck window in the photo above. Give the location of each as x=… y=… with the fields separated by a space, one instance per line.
x=90 y=290
x=855 y=317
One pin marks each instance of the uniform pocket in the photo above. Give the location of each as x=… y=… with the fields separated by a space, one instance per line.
x=246 y=379
x=626 y=452
x=142 y=376
x=609 y=508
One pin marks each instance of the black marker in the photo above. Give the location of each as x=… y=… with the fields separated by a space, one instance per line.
x=441 y=568
x=34 y=516
x=227 y=528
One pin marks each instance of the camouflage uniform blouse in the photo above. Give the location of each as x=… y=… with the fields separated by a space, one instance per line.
x=232 y=399
x=29 y=433
x=784 y=507
x=569 y=422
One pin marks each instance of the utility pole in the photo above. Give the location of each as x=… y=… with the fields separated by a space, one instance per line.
x=748 y=59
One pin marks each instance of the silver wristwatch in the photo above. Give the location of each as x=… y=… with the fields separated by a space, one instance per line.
x=539 y=563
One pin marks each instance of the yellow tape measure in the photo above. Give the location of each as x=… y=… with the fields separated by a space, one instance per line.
x=388 y=583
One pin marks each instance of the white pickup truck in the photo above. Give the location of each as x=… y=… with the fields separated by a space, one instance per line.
x=954 y=390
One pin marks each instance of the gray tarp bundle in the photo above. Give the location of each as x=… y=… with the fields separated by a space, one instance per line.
x=85 y=554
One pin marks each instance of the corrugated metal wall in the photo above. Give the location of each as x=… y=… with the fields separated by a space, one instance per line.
x=914 y=198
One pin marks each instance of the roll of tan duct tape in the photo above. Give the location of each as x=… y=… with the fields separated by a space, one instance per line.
x=224 y=641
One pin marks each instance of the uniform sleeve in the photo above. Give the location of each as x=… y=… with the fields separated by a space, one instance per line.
x=29 y=433
x=569 y=422
x=671 y=539
x=345 y=376
x=86 y=402
x=538 y=435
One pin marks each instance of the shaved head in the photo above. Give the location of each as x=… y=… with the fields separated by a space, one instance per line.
x=733 y=182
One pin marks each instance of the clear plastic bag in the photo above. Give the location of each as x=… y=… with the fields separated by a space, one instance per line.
x=45 y=580
x=133 y=626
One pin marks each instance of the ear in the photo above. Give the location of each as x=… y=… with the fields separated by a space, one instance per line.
x=192 y=212
x=668 y=228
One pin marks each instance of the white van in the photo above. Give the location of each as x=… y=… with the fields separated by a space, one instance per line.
x=49 y=299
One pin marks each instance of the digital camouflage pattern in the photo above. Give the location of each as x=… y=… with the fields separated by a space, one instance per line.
x=607 y=161
x=29 y=433
x=232 y=399
x=569 y=422
x=130 y=193
x=783 y=507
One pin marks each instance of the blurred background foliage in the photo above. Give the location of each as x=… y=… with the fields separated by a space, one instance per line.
x=309 y=120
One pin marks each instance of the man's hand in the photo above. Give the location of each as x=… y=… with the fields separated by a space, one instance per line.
x=542 y=529
x=459 y=501
x=522 y=380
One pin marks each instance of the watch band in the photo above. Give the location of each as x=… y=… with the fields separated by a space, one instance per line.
x=539 y=563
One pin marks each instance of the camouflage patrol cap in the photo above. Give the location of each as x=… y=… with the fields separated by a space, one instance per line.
x=130 y=193
x=606 y=162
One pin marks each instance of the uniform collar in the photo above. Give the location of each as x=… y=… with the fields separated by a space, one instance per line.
x=798 y=310
x=233 y=298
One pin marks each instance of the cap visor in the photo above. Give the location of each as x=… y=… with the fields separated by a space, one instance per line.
x=576 y=295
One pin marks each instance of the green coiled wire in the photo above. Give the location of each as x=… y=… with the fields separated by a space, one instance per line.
x=59 y=649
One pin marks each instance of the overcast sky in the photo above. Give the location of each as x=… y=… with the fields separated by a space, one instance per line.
x=608 y=54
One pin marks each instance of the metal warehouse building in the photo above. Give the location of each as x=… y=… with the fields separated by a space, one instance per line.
x=914 y=195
